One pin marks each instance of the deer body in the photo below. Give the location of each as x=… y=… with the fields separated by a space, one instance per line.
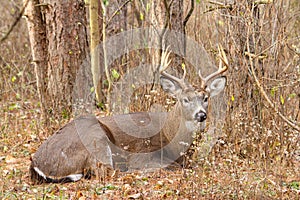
x=71 y=151
x=167 y=131
x=140 y=139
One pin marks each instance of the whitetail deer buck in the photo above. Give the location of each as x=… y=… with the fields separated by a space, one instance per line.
x=84 y=143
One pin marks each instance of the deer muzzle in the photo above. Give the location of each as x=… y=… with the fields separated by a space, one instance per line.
x=200 y=116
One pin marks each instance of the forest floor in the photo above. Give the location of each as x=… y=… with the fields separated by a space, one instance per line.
x=222 y=175
x=256 y=160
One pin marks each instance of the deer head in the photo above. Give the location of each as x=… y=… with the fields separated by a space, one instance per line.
x=193 y=101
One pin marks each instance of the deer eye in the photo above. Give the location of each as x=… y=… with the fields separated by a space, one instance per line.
x=205 y=99
x=186 y=100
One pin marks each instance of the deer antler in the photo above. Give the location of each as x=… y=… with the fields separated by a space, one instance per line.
x=164 y=64
x=222 y=69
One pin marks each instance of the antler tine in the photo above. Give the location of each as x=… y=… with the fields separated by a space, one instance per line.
x=223 y=57
x=184 y=72
x=203 y=82
x=164 y=64
x=222 y=69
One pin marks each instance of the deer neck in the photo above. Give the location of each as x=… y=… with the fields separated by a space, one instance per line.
x=177 y=125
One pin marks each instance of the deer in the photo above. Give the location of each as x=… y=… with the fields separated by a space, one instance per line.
x=140 y=140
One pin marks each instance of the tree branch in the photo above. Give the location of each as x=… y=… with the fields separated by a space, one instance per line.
x=218 y=6
x=187 y=17
x=15 y=22
x=116 y=12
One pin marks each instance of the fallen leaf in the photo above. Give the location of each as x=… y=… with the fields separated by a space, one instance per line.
x=10 y=159
x=135 y=196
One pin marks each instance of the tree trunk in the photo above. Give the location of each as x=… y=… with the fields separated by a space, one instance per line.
x=59 y=46
x=65 y=25
x=176 y=24
x=37 y=36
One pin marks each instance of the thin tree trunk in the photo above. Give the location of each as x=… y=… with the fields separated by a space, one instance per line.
x=95 y=54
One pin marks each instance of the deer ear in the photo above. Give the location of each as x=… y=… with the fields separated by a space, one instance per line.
x=217 y=85
x=170 y=86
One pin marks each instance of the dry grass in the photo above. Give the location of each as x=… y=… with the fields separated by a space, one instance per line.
x=258 y=156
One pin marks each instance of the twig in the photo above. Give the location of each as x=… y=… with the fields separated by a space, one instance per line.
x=216 y=3
x=218 y=8
x=114 y=14
x=257 y=2
x=187 y=17
x=16 y=88
x=15 y=22
x=116 y=11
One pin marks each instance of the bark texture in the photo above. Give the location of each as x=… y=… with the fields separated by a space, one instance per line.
x=37 y=36
x=59 y=46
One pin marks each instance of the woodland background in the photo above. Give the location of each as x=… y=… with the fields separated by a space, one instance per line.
x=258 y=154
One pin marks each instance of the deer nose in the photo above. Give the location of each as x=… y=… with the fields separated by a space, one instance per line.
x=200 y=116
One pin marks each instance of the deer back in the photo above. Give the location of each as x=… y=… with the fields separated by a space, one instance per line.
x=135 y=132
